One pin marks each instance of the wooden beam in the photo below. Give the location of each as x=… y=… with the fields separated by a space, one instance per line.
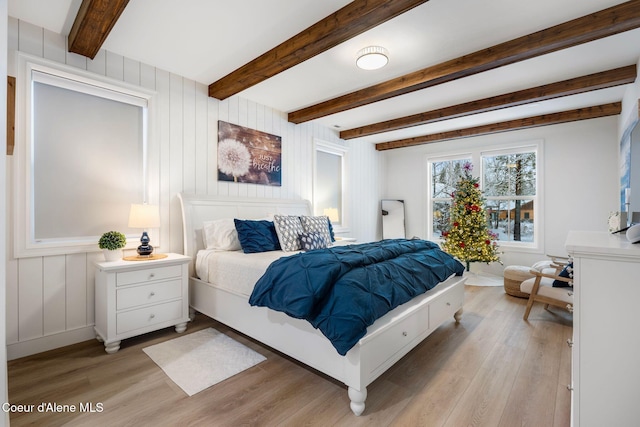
x=92 y=25
x=511 y=125
x=605 y=23
x=602 y=80
x=11 y=114
x=342 y=25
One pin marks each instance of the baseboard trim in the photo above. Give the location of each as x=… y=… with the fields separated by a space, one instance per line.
x=50 y=342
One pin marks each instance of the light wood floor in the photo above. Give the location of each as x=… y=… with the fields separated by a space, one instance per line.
x=493 y=369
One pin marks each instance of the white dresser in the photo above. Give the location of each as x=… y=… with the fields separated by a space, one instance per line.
x=136 y=297
x=606 y=330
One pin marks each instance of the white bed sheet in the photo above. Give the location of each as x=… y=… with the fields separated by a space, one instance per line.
x=235 y=271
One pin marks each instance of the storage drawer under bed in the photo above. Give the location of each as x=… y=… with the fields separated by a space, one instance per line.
x=443 y=307
x=393 y=342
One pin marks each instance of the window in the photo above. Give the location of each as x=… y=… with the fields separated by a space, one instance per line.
x=83 y=157
x=328 y=182
x=510 y=183
x=443 y=177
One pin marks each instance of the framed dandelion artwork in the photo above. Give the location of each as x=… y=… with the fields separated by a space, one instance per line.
x=249 y=156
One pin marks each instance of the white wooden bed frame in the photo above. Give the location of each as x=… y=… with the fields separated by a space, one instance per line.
x=387 y=340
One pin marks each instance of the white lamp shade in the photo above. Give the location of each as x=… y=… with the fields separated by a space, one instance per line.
x=332 y=213
x=144 y=216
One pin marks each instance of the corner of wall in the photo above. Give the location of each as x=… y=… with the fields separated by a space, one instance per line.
x=629 y=113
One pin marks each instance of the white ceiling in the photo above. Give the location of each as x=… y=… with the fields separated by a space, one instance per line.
x=205 y=40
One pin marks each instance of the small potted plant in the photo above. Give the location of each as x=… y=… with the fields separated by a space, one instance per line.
x=112 y=243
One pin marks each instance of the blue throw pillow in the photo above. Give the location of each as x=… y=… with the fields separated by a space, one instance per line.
x=257 y=236
x=311 y=241
x=567 y=272
x=333 y=236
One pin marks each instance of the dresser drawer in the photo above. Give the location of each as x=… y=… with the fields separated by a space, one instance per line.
x=147 y=275
x=147 y=294
x=148 y=316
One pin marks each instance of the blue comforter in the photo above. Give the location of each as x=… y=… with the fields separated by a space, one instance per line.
x=344 y=289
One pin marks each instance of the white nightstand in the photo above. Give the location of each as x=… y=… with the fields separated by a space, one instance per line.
x=136 y=297
x=343 y=241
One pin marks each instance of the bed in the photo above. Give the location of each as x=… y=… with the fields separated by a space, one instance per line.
x=386 y=341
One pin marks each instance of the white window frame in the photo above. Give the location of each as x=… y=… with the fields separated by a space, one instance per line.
x=343 y=152
x=534 y=146
x=32 y=69
x=475 y=157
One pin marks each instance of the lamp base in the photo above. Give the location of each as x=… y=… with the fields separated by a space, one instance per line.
x=145 y=249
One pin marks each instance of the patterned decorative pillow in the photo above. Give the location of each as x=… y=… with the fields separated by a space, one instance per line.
x=317 y=224
x=567 y=272
x=289 y=229
x=311 y=241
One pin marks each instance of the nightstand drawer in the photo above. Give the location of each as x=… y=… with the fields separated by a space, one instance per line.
x=146 y=294
x=148 y=274
x=149 y=316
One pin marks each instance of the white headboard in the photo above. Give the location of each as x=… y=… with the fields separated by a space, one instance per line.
x=197 y=208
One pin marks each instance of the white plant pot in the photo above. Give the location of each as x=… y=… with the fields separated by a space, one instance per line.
x=114 y=255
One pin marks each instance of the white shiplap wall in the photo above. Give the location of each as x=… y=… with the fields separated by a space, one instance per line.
x=50 y=300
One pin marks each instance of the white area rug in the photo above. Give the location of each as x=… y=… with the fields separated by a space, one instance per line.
x=482 y=279
x=199 y=360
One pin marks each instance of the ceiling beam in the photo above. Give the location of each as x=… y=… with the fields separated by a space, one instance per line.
x=92 y=25
x=602 y=80
x=607 y=22
x=511 y=125
x=353 y=19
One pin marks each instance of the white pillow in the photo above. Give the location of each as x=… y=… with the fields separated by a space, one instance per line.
x=221 y=234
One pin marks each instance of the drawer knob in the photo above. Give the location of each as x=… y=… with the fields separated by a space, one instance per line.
x=152 y=275
x=404 y=333
x=448 y=304
x=152 y=294
x=151 y=316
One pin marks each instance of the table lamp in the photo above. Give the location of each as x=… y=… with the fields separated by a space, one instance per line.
x=332 y=213
x=145 y=217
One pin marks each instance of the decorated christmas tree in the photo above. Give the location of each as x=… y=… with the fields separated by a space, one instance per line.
x=468 y=237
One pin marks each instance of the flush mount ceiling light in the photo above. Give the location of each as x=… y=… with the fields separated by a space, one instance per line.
x=372 y=58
